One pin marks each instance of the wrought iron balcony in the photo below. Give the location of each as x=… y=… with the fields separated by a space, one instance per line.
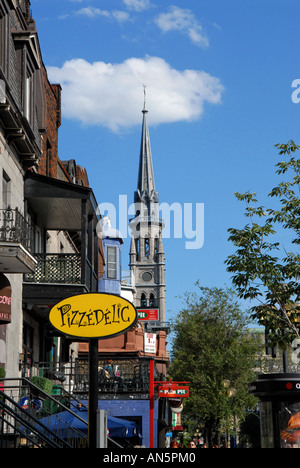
x=16 y=240
x=14 y=228
x=56 y=268
x=58 y=276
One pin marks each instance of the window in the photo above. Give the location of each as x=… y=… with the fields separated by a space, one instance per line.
x=137 y=248
x=155 y=248
x=27 y=350
x=48 y=158
x=146 y=276
x=28 y=97
x=38 y=240
x=147 y=247
x=112 y=262
x=152 y=300
x=143 y=300
x=5 y=190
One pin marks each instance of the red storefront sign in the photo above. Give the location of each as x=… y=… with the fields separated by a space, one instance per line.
x=5 y=305
x=173 y=389
x=148 y=314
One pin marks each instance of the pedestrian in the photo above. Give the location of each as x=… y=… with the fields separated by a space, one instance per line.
x=108 y=367
x=192 y=444
x=174 y=444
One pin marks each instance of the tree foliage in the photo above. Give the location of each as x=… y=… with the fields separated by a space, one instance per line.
x=263 y=269
x=212 y=344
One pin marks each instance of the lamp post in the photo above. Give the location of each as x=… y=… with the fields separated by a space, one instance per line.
x=198 y=436
x=230 y=393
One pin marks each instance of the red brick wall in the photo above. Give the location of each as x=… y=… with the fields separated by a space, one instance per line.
x=49 y=160
x=81 y=174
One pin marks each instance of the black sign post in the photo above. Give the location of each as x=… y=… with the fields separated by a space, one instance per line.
x=93 y=392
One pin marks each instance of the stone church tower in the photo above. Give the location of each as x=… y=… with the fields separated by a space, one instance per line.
x=147 y=258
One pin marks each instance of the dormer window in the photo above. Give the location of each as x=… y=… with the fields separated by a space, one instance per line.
x=112 y=262
x=29 y=65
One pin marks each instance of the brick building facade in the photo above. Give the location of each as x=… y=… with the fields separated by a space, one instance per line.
x=49 y=246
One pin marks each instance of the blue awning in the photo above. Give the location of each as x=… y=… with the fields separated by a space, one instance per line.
x=67 y=425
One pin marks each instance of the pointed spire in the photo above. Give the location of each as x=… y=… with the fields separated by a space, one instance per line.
x=144 y=86
x=132 y=247
x=146 y=192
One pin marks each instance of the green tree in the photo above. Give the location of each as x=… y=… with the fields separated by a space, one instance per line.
x=212 y=345
x=263 y=268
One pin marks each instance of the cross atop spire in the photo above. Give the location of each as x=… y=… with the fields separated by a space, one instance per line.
x=145 y=86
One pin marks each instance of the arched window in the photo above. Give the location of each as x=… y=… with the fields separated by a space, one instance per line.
x=143 y=300
x=137 y=248
x=155 y=248
x=147 y=247
x=152 y=300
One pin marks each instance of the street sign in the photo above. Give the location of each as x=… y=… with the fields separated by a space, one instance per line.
x=150 y=343
x=148 y=314
x=95 y=315
x=173 y=391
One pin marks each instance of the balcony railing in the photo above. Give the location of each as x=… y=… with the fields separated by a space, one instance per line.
x=117 y=376
x=63 y=269
x=56 y=268
x=14 y=228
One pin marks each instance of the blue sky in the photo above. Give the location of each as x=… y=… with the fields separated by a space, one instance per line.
x=219 y=85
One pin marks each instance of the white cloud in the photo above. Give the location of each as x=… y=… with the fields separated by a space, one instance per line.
x=137 y=5
x=110 y=95
x=183 y=20
x=92 y=12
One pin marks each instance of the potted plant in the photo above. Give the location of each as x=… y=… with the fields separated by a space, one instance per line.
x=43 y=383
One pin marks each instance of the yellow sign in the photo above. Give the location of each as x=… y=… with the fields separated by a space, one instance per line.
x=95 y=315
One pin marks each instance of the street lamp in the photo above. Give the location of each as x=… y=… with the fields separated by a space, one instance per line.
x=226 y=383
x=197 y=436
x=230 y=393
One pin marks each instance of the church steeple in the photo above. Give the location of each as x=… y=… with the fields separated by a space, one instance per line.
x=147 y=259
x=145 y=192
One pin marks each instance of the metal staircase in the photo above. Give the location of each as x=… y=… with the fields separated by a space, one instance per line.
x=24 y=409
